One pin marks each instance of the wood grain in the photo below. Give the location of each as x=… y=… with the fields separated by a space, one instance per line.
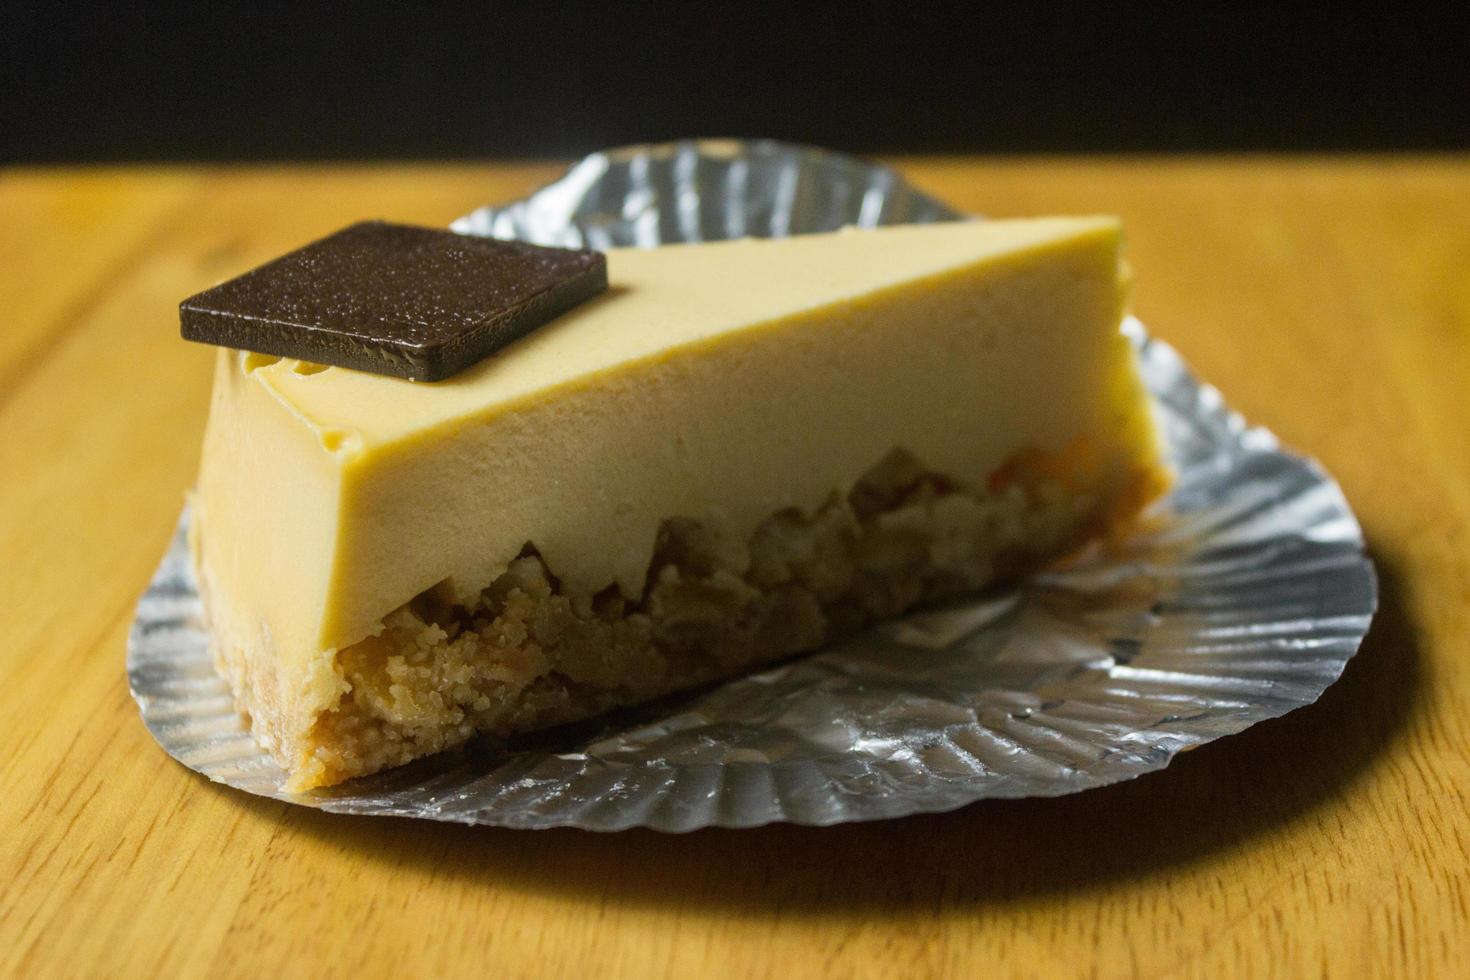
x=1330 y=298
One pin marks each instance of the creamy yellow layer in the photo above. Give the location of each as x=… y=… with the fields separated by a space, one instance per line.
x=721 y=382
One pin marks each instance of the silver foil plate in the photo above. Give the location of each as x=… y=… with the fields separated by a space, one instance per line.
x=1241 y=598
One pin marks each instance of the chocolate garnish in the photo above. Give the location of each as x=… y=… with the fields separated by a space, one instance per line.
x=400 y=300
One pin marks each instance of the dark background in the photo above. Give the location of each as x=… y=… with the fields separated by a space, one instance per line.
x=185 y=81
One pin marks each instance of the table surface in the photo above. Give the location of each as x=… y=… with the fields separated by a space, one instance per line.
x=1329 y=297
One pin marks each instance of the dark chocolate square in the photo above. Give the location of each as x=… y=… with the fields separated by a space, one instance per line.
x=411 y=302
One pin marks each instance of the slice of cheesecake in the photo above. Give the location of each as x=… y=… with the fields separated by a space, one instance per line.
x=738 y=452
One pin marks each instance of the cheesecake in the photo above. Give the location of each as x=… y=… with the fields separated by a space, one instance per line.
x=736 y=453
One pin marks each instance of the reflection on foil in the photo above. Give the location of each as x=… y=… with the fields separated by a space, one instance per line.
x=1242 y=598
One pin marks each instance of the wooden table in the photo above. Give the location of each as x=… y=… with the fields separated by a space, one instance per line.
x=1329 y=297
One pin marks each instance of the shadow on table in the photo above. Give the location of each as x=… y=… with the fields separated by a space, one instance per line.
x=1208 y=801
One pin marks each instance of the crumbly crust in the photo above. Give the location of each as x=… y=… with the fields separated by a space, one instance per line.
x=528 y=657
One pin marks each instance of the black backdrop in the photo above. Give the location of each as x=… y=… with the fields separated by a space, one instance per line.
x=173 y=80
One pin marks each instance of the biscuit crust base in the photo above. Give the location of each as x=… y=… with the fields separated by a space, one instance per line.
x=528 y=657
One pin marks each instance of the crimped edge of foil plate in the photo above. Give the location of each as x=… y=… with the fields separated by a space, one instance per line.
x=1242 y=598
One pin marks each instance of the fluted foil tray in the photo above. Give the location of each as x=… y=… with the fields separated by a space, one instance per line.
x=1241 y=598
